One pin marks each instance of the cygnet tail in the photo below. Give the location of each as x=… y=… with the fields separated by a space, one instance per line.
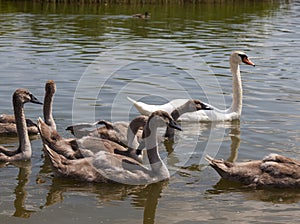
x=55 y=158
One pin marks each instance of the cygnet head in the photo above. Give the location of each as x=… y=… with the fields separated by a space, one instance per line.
x=23 y=96
x=161 y=119
x=50 y=87
x=237 y=57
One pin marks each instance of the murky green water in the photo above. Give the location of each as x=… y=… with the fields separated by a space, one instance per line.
x=99 y=54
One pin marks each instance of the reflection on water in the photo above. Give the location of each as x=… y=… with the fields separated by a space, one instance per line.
x=20 y=192
x=145 y=197
x=41 y=41
x=235 y=135
x=280 y=196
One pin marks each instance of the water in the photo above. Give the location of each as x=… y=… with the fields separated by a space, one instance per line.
x=98 y=55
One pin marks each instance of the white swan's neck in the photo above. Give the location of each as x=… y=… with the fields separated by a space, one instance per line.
x=237 y=89
x=157 y=165
x=47 y=110
x=24 y=142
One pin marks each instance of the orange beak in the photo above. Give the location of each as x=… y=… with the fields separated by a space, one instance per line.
x=247 y=61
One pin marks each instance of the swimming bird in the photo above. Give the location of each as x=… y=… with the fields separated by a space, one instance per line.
x=47 y=128
x=23 y=152
x=232 y=113
x=146 y=15
x=274 y=170
x=108 y=167
x=8 y=126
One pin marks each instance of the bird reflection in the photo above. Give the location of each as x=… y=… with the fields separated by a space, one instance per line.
x=277 y=196
x=235 y=135
x=169 y=145
x=20 y=191
x=152 y=201
x=142 y=196
x=198 y=136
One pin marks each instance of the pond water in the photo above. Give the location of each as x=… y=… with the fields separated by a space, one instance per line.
x=98 y=54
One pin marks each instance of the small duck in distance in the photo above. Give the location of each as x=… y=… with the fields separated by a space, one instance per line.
x=274 y=170
x=146 y=15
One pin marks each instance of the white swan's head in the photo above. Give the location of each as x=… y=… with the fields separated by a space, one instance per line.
x=193 y=105
x=237 y=57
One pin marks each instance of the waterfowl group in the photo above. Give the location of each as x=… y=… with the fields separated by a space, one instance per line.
x=96 y=141
x=25 y=126
x=107 y=167
x=113 y=151
x=75 y=148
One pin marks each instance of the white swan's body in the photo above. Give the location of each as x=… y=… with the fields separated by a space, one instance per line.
x=109 y=167
x=232 y=113
x=23 y=152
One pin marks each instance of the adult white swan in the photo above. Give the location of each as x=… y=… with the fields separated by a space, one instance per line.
x=232 y=113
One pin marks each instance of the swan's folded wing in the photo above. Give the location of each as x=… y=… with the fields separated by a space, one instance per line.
x=281 y=170
x=121 y=169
